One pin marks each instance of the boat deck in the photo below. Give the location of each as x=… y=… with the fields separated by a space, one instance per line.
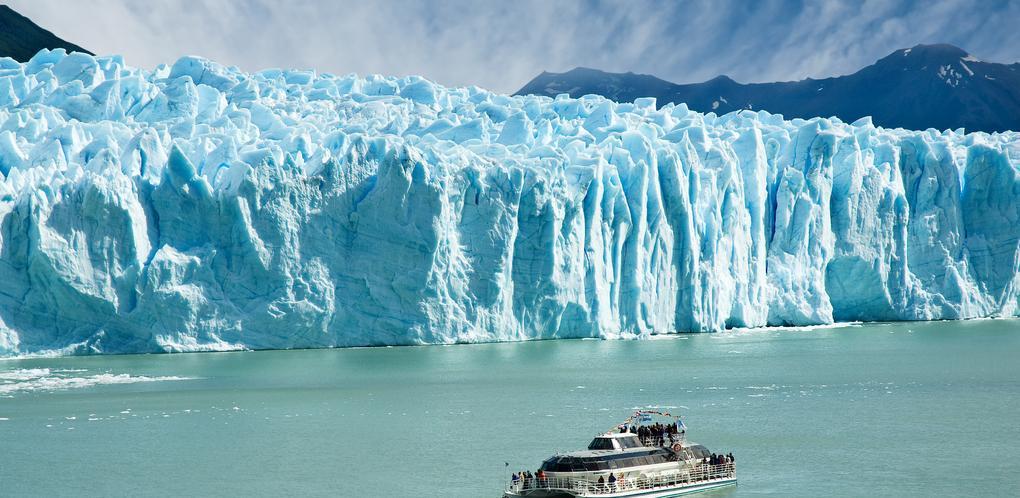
x=683 y=481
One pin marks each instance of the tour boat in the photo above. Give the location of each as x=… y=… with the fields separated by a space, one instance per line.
x=649 y=461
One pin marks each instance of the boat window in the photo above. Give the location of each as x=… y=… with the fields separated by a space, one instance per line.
x=549 y=465
x=601 y=443
x=699 y=451
x=557 y=464
x=605 y=462
x=630 y=442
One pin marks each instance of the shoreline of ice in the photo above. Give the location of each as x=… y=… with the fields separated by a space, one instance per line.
x=726 y=333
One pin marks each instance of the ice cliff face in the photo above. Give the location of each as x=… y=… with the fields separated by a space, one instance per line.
x=198 y=207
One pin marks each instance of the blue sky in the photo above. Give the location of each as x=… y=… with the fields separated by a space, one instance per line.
x=501 y=45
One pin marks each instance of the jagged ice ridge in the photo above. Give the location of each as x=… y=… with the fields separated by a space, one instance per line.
x=199 y=207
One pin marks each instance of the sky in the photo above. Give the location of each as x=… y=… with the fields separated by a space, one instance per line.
x=502 y=45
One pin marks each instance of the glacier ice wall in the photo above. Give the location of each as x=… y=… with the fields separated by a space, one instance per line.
x=199 y=207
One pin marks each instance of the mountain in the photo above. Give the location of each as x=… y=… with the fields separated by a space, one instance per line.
x=206 y=208
x=20 y=38
x=927 y=86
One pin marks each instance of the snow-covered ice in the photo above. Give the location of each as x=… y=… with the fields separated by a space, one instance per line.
x=198 y=207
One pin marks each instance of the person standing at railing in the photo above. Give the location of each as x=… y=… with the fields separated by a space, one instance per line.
x=612 y=482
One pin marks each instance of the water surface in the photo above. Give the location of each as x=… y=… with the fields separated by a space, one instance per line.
x=883 y=410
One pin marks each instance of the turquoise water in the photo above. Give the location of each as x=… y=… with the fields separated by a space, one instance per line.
x=915 y=409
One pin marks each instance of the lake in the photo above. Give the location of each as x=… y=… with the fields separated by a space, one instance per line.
x=879 y=409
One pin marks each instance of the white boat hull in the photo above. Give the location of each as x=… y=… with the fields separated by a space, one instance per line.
x=657 y=492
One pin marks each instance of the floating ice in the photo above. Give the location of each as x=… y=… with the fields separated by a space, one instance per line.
x=45 y=379
x=198 y=207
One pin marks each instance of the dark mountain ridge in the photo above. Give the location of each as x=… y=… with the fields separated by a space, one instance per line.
x=926 y=86
x=20 y=38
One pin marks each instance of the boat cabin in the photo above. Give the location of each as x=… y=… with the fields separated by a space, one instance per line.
x=615 y=441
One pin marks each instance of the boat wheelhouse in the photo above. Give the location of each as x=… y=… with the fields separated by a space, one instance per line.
x=652 y=461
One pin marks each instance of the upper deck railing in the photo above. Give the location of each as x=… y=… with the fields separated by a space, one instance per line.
x=666 y=441
x=697 y=474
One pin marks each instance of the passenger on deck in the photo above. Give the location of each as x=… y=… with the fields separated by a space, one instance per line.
x=612 y=480
x=730 y=455
x=514 y=479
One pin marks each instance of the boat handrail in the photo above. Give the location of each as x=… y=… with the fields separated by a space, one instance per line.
x=686 y=475
x=663 y=442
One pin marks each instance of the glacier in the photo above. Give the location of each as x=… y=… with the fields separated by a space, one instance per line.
x=198 y=207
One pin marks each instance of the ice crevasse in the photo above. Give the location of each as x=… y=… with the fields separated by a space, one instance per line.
x=200 y=207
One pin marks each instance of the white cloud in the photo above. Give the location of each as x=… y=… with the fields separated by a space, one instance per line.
x=501 y=45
